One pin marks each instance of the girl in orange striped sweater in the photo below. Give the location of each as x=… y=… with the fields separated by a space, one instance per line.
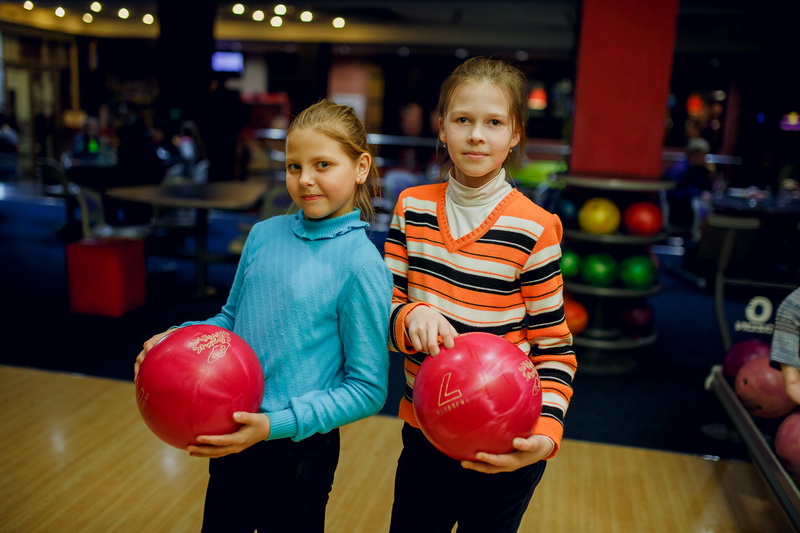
x=474 y=254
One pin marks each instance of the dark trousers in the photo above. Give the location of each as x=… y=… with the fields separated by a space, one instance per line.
x=277 y=485
x=433 y=492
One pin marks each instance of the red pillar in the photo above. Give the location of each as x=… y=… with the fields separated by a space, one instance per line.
x=625 y=55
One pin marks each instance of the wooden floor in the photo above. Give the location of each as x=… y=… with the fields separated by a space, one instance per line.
x=76 y=457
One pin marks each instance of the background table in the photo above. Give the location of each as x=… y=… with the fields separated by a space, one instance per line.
x=202 y=198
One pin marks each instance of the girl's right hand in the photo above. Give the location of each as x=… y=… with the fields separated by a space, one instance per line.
x=146 y=347
x=427 y=328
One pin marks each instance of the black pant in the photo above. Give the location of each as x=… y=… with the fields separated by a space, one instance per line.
x=277 y=486
x=433 y=492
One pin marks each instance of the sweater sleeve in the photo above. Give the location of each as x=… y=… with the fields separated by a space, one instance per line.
x=785 y=347
x=396 y=257
x=363 y=325
x=548 y=334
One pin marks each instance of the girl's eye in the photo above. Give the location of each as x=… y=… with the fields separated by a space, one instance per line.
x=461 y=120
x=323 y=164
x=292 y=167
x=495 y=122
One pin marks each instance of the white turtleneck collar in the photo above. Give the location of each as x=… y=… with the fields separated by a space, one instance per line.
x=467 y=208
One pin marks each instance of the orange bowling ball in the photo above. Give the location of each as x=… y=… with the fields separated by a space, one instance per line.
x=576 y=316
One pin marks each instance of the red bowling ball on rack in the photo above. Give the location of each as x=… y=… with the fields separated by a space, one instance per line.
x=477 y=396
x=787 y=444
x=643 y=218
x=193 y=380
x=741 y=353
x=761 y=390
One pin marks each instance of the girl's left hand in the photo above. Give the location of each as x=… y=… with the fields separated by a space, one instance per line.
x=528 y=451
x=255 y=428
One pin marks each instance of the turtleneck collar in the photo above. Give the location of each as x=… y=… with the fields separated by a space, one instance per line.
x=489 y=193
x=312 y=230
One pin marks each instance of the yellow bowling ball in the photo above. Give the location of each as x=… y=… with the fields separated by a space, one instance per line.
x=599 y=216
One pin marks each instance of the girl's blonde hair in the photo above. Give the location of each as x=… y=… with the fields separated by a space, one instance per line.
x=340 y=123
x=507 y=78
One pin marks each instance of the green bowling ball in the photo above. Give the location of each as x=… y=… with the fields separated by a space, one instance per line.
x=599 y=269
x=570 y=263
x=638 y=272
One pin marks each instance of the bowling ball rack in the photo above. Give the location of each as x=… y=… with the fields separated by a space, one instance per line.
x=768 y=465
x=608 y=348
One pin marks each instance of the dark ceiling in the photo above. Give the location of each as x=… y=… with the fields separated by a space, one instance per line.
x=711 y=26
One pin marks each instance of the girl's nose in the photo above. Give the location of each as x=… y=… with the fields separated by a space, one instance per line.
x=307 y=178
x=476 y=135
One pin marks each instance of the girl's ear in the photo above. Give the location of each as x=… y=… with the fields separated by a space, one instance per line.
x=515 y=137
x=362 y=167
x=441 y=130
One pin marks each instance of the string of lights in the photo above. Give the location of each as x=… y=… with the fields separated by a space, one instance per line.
x=276 y=17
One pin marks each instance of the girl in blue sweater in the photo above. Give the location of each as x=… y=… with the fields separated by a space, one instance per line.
x=311 y=296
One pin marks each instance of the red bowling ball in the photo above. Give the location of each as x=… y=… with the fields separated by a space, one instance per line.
x=760 y=389
x=742 y=352
x=193 y=380
x=637 y=321
x=642 y=218
x=477 y=396
x=787 y=443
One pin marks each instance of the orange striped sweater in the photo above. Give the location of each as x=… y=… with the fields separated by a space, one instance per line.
x=503 y=278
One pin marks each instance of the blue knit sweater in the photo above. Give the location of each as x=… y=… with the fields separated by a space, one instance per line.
x=312 y=298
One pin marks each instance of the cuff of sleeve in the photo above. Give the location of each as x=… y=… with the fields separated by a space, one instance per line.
x=399 y=337
x=282 y=424
x=551 y=429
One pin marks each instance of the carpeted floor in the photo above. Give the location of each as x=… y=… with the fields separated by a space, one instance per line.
x=660 y=403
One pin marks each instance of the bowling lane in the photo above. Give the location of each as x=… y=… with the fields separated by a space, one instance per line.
x=42 y=436
x=76 y=457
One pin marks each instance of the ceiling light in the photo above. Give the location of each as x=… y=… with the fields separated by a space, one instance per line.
x=276 y=22
x=87 y=18
x=306 y=16
x=238 y=9
x=28 y=5
x=123 y=13
x=96 y=7
x=338 y=22
x=258 y=15
x=148 y=19
x=280 y=9
x=60 y=11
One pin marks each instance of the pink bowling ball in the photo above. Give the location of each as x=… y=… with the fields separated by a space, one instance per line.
x=787 y=443
x=742 y=352
x=477 y=396
x=193 y=380
x=760 y=389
